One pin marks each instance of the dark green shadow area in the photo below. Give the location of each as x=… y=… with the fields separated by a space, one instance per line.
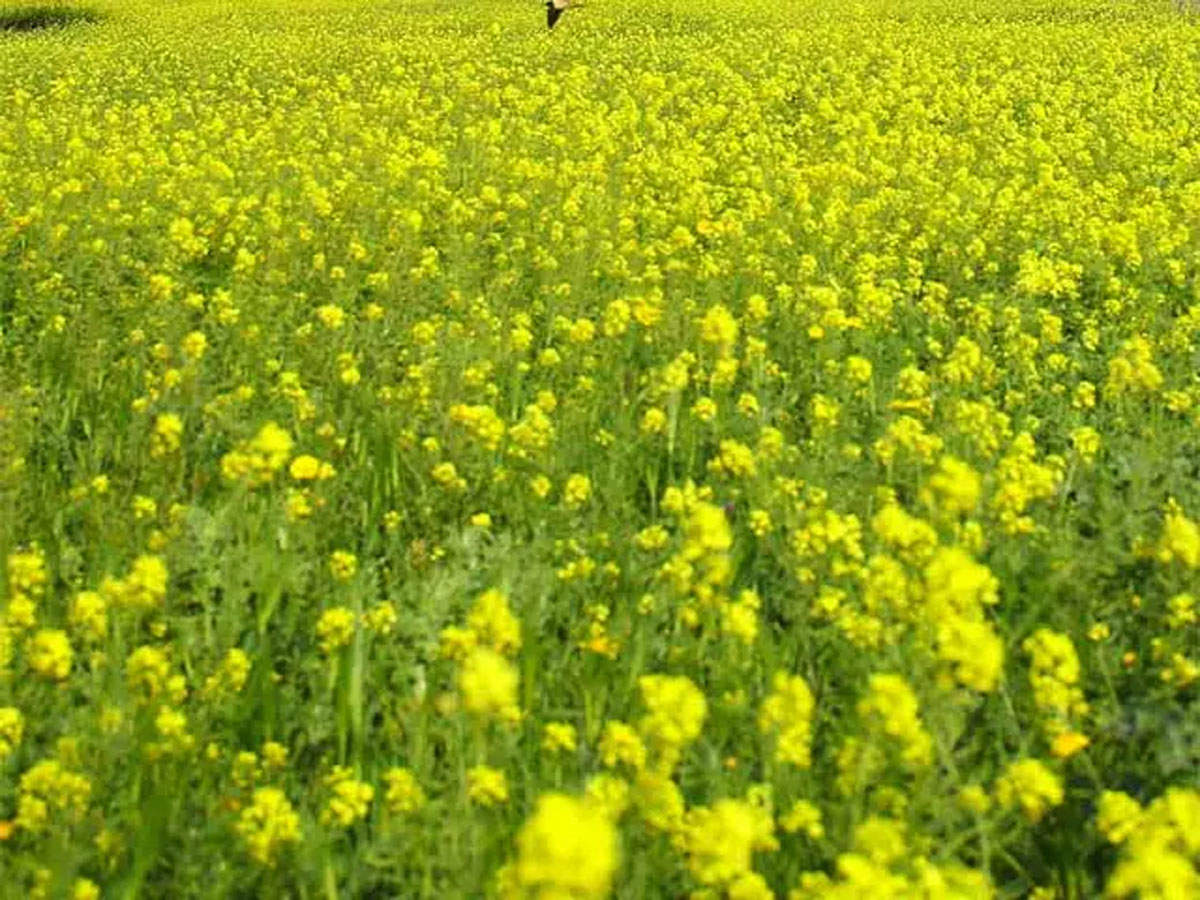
x=46 y=16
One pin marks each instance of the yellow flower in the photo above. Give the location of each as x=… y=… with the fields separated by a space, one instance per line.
x=787 y=711
x=577 y=490
x=720 y=840
x=146 y=672
x=704 y=409
x=89 y=615
x=653 y=537
x=954 y=488
x=1180 y=538
x=659 y=801
x=47 y=789
x=305 y=468
x=567 y=848
x=274 y=755
x=956 y=584
x=858 y=369
x=194 y=345
x=803 y=817
x=974 y=649
x=719 y=327
x=168 y=431
x=740 y=618
x=1053 y=675
x=254 y=462
x=487 y=786
x=1154 y=871
x=343 y=565
x=609 y=794
x=734 y=459
x=891 y=706
x=1067 y=744
x=492 y=622
x=331 y=316
x=381 y=618
x=620 y=745
x=1117 y=816
x=143 y=589
x=446 y=475
x=654 y=421
x=556 y=737
x=880 y=840
x=49 y=654
x=350 y=798
x=975 y=799
x=171 y=725
x=335 y=628
x=403 y=794
x=1086 y=442
x=231 y=675
x=676 y=711
x=12 y=727
x=1028 y=785
x=760 y=522
x=268 y=825
x=487 y=683
x=1158 y=844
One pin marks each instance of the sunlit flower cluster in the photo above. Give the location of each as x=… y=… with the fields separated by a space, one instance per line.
x=715 y=449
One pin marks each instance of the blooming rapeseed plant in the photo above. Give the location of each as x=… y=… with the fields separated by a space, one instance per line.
x=752 y=460
x=267 y=825
x=567 y=848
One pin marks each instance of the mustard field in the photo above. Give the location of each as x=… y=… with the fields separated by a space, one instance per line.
x=713 y=449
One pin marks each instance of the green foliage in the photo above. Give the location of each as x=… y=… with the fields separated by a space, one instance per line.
x=39 y=17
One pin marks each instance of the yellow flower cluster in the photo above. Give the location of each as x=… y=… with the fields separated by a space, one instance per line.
x=676 y=710
x=890 y=707
x=1028 y=785
x=12 y=727
x=48 y=793
x=1160 y=844
x=143 y=589
x=881 y=863
x=403 y=794
x=1054 y=676
x=567 y=848
x=487 y=786
x=720 y=841
x=721 y=449
x=49 y=654
x=268 y=825
x=254 y=462
x=487 y=681
x=27 y=577
x=788 y=712
x=349 y=798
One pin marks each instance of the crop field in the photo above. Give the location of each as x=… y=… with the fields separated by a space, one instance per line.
x=712 y=449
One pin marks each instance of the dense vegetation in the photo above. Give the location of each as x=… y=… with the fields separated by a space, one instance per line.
x=715 y=448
